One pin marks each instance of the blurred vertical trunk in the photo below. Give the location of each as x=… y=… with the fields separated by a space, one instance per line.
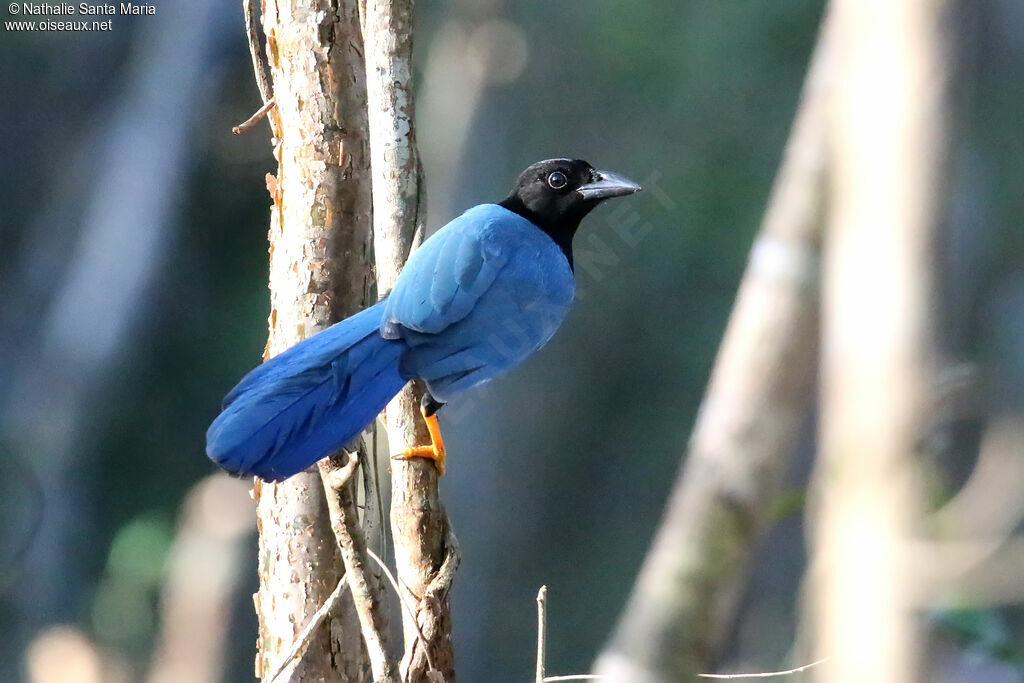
x=887 y=134
x=320 y=256
x=216 y=519
x=760 y=392
x=120 y=190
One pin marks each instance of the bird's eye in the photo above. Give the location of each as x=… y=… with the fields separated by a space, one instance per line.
x=557 y=180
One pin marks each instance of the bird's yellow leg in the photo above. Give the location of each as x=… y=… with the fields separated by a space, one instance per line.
x=435 y=451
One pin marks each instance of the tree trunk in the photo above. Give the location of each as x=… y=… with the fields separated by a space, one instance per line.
x=760 y=393
x=212 y=542
x=887 y=139
x=425 y=553
x=320 y=241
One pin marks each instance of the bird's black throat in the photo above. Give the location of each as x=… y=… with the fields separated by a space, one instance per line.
x=561 y=229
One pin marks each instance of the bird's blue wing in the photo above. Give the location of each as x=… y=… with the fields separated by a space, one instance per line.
x=446 y=277
x=478 y=297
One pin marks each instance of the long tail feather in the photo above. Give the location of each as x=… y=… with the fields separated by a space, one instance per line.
x=307 y=402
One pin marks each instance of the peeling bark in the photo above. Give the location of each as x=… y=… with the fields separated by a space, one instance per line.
x=320 y=241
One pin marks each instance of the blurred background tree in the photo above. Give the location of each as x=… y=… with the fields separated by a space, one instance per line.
x=133 y=282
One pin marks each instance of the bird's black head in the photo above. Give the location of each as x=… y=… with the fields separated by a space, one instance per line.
x=556 y=194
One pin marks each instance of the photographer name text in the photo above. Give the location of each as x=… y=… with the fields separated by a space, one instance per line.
x=63 y=9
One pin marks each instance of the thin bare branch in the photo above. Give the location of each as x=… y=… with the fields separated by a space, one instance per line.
x=354 y=552
x=302 y=640
x=767 y=674
x=434 y=603
x=442 y=582
x=247 y=125
x=259 y=58
x=542 y=632
x=410 y=611
x=542 y=628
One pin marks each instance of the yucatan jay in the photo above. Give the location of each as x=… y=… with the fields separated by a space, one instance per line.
x=478 y=297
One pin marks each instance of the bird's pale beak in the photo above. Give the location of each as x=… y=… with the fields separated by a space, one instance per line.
x=605 y=184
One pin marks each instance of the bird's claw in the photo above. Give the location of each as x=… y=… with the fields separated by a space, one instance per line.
x=435 y=451
x=430 y=452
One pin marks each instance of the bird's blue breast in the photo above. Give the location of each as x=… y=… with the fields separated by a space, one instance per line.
x=477 y=298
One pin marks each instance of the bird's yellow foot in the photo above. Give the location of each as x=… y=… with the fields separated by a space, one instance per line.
x=435 y=451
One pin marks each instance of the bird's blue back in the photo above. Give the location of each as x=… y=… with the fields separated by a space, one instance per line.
x=483 y=293
x=475 y=299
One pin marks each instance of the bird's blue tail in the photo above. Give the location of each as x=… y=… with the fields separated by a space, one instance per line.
x=307 y=402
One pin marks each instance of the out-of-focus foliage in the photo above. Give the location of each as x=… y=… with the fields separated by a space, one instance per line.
x=557 y=474
x=982 y=632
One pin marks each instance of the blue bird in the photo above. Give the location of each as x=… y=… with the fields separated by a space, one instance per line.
x=480 y=295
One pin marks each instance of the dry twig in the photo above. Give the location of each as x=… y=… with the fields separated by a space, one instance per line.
x=302 y=640
x=259 y=58
x=349 y=534
x=766 y=674
x=542 y=636
x=410 y=611
x=542 y=632
x=247 y=125
x=541 y=677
